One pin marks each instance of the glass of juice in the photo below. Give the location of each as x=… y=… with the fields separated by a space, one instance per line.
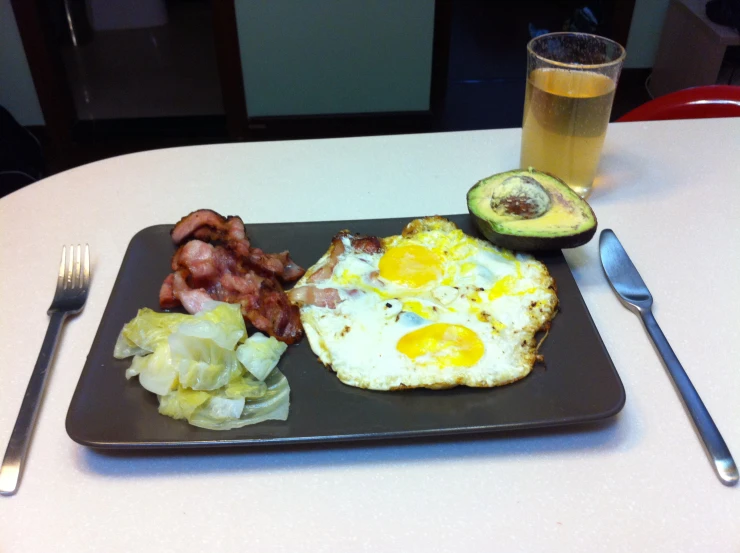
x=571 y=79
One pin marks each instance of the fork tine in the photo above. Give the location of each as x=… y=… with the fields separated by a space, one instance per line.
x=72 y=270
x=60 y=280
x=78 y=269
x=68 y=276
x=86 y=267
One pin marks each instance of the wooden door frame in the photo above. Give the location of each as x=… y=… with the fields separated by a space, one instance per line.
x=440 y=54
x=622 y=20
x=228 y=58
x=47 y=71
x=57 y=103
x=55 y=95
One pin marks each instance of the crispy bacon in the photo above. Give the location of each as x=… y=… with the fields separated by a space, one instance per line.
x=167 y=299
x=275 y=313
x=209 y=226
x=358 y=243
x=324 y=272
x=239 y=288
x=291 y=270
x=206 y=225
x=197 y=258
x=216 y=261
x=236 y=237
x=192 y=299
x=366 y=244
x=311 y=295
x=275 y=264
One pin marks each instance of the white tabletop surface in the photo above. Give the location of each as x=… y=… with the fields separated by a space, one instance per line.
x=642 y=482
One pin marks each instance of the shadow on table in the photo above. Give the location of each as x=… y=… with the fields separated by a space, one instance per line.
x=631 y=176
x=575 y=440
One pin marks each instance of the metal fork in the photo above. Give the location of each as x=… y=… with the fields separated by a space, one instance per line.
x=69 y=299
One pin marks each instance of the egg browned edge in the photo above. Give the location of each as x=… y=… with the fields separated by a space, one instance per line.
x=532 y=345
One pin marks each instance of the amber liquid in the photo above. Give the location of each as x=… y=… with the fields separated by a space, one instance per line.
x=566 y=114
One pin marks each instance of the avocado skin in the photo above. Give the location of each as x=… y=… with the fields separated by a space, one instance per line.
x=529 y=243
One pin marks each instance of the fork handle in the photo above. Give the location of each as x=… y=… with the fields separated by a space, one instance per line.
x=722 y=460
x=15 y=454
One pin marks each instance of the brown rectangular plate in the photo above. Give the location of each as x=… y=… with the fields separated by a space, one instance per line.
x=578 y=383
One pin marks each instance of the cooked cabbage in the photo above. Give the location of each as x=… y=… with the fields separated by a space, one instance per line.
x=274 y=405
x=126 y=348
x=218 y=410
x=260 y=354
x=146 y=331
x=245 y=386
x=221 y=322
x=189 y=361
x=156 y=371
x=201 y=363
x=182 y=403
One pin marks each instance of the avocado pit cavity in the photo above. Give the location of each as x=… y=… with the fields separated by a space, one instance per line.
x=520 y=196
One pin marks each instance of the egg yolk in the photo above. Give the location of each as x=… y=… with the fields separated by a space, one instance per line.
x=420 y=309
x=445 y=344
x=410 y=265
x=505 y=286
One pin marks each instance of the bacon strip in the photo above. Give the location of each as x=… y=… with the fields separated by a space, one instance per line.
x=197 y=258
x=291 y=270
x=325 y=271
x=216 y=261
x=311 y=295
x=206 y=225
x=366 y=244
x=167 y=299
x=358 y=243
x=275 y=314
x=191 y=299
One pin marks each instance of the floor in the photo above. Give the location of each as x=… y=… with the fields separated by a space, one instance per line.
x=140 y=85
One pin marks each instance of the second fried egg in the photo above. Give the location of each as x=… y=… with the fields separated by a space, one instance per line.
x=431 y=308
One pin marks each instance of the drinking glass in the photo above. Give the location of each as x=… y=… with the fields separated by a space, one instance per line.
x=571 y=79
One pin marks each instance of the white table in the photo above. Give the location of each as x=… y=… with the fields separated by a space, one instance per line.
x=671 y=191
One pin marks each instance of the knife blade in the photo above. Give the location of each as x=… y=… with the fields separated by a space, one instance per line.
x=627 y=283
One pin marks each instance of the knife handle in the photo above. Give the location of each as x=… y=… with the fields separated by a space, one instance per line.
x=720 y=455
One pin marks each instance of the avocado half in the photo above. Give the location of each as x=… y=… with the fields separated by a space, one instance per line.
x=530 y=210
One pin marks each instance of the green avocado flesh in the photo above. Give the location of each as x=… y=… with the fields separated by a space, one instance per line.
x=529 y=210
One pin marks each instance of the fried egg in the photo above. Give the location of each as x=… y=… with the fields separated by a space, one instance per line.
x=430 y=308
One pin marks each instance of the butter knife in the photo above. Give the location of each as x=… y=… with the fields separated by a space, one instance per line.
x=629 y=286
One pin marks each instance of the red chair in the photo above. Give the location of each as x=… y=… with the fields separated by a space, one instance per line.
x=700 y=102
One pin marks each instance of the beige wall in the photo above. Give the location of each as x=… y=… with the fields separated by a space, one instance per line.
x=647 y=23
x=17 y=93
x=304 y=57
